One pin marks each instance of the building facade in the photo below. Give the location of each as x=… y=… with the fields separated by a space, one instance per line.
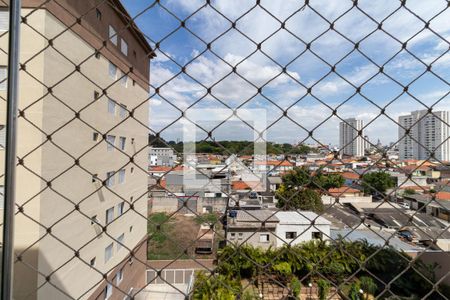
x=267 y=228
x=83 y=201
x=428 y=132
x=162 y=156
x=351 y=142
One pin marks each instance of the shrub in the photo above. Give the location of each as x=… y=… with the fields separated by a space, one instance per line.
x=368 y=285
x=324 y=288
x=296 y=287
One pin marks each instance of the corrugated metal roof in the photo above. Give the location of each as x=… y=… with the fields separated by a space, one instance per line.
x=377 y=238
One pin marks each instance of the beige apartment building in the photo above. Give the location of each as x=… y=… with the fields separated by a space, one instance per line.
x=75 y=138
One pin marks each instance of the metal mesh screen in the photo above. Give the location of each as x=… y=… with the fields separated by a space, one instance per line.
x=231 y=150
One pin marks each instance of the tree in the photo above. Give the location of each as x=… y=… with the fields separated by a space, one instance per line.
x=377 y=182
x=328 y=181
x=302 y=177
x=293 y=199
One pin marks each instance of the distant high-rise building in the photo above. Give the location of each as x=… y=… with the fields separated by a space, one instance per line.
x=428 y=132
x=366 y=142
x=350 y=142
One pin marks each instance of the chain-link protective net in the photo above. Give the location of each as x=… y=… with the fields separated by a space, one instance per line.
x=112 y=204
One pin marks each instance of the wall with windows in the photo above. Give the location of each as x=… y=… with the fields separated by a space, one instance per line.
x=68 y=123
x=257 y=238
x=295 y=233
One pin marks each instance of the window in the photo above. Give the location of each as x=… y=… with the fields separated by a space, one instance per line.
x=111 y=106
x=112 y=35
x=3 y=80
x=108 y=252
x=119 y=276
x=232 y=235
x=124 y=47
x=317 y=235
x=132 y=170
x=120 y=208
x=109 y=179
x=122 y=176
x=264 y=238
x=109 y=215
x=123 y=111
x=131 y=228
x=291 y=235
x=92 y=262
x=97 y=54
x=4 y=20
x=94 y=220
x=96 y=95
x=95 y=136
x=122 y=142
x=240 y=236
x=112 y=70
x=110 y=142
x=99 y=14
x=124 y=80
x=108 y=290
x=94 y=177
x=2 y=136
x=120 y=241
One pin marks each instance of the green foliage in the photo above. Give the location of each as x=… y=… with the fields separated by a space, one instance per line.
x=296 y=287
x=354 y=293
x=210 y=218
x=335 y=260
x=249 y=294
x=368 y=285
x=301 y=189
x=283 y=268
x=232 y=147
x=306 y=199
x=328 y=181
x=409 y=192
x=217 y=287
x=323 y=288
x=377 y=182
x=303 y=178
x=155 y=221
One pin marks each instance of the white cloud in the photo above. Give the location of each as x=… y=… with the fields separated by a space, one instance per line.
x=259 y=70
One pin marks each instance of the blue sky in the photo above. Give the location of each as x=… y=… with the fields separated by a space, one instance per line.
x=232 y=48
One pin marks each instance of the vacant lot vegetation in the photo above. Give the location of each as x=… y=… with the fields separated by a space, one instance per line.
x=174 y=236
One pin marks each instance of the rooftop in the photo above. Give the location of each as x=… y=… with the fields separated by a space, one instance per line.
x=376 y=238
x=301 y=218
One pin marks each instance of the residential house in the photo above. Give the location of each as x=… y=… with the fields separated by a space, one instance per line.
x=268 y=228
x=345 y=194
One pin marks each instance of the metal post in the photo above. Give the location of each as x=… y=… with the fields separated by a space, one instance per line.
x=10 y=150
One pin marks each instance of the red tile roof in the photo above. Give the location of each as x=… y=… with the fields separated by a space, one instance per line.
x=244 y=185
x=443 y=195
x=350 y=175
x=274 y=163
x=342 y=190
x=164 y=169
